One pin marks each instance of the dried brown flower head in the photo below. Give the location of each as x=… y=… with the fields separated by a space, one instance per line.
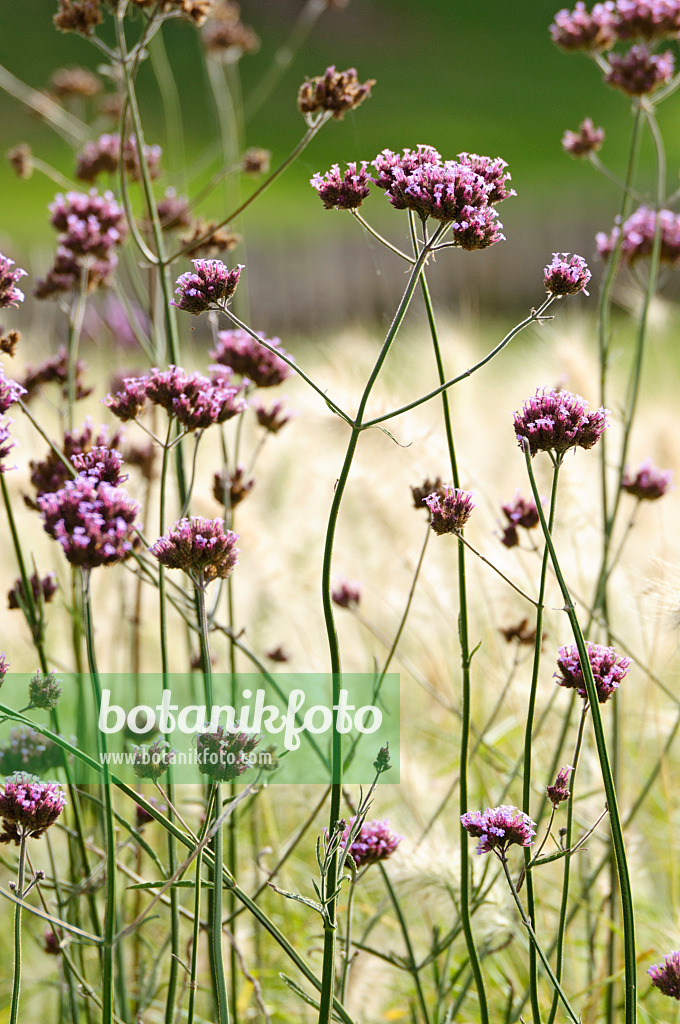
x=256 y=161
x=9 y=341
x=213 y=239
x=21 y=160
x=81 y=16
x=520 y=632
x=75 y=81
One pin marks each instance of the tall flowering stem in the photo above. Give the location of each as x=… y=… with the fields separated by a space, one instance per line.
x=627 y=909
x=16 y=980
x=109 y=828
x=463 y=634
x=330 y=926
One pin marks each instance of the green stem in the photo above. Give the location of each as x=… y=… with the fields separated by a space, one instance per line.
x=466 y=658
x=564 y=905
x=413 y=965
x=627 y=908
x=528 y=747
x=534 y=942
x=16 y=983
x=110 y=916
x=330 y=925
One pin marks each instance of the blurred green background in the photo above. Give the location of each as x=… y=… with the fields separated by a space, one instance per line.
x=483 y=78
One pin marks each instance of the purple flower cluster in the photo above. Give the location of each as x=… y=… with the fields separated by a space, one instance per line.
x=334 y=91
x=583 y=30
x=519 y=512
x=607 y=667
x=497 y=828
x=223 y=755
x=272 y=419
x=10 y=392
x=346 y=594
x=638 y=236
x=104 y=155
x=376 y=840
x=91 y=226
x=54 y=369
x=554 y=421
x=245 y=356
x=28 y=751
x=51 y=474
x=647 y=19
x=648 y=483
x=10 y=295
x=201 y=547
x=639 y=72
x=559 y=791
x=666 y=976
x=43 y=590
x=94 y=521
x=4 y=668
x=230 y=490
x=588 y=139
x=28 y=807
x=566 y=276
x=196 y=401
x=451 y=512
x=342 y=192
x=209 y=286
x=100 y=463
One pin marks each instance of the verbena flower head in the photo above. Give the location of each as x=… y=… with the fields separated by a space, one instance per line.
x=334 y=91
x=209 y=286
x=43 y=590
x=375 y=840
x=129 y=401
x=223 y=755
x=201 y=547
x=28 y=751
x=558 y=420
x=387 y=163
x=608 y=670
x=559 y=791
x=245 y=356
x=566 y=276
x=80 y=16
x=44 y=691
x=274 y=418
x=100 y=463
x=28 y=807
x=344 y=191
x=648 y=483
x=153 y=761
x=588 y=139
x=4 y=668
x=520 y=512
x=54 y=369
x=75 y=81
x=10 y=295
x=346 y=594
x=91 y=226
x=51 y=474
x=666 y=976
x=583 y=30
x=497 y=828
x=196 y=401
x=94 y=522
x=10 y=392
x=639 y=72
x=450 y=513
x=103 y=155
x=231 y=490
x=638 y=236
x=492 y=170
x=647 y=19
